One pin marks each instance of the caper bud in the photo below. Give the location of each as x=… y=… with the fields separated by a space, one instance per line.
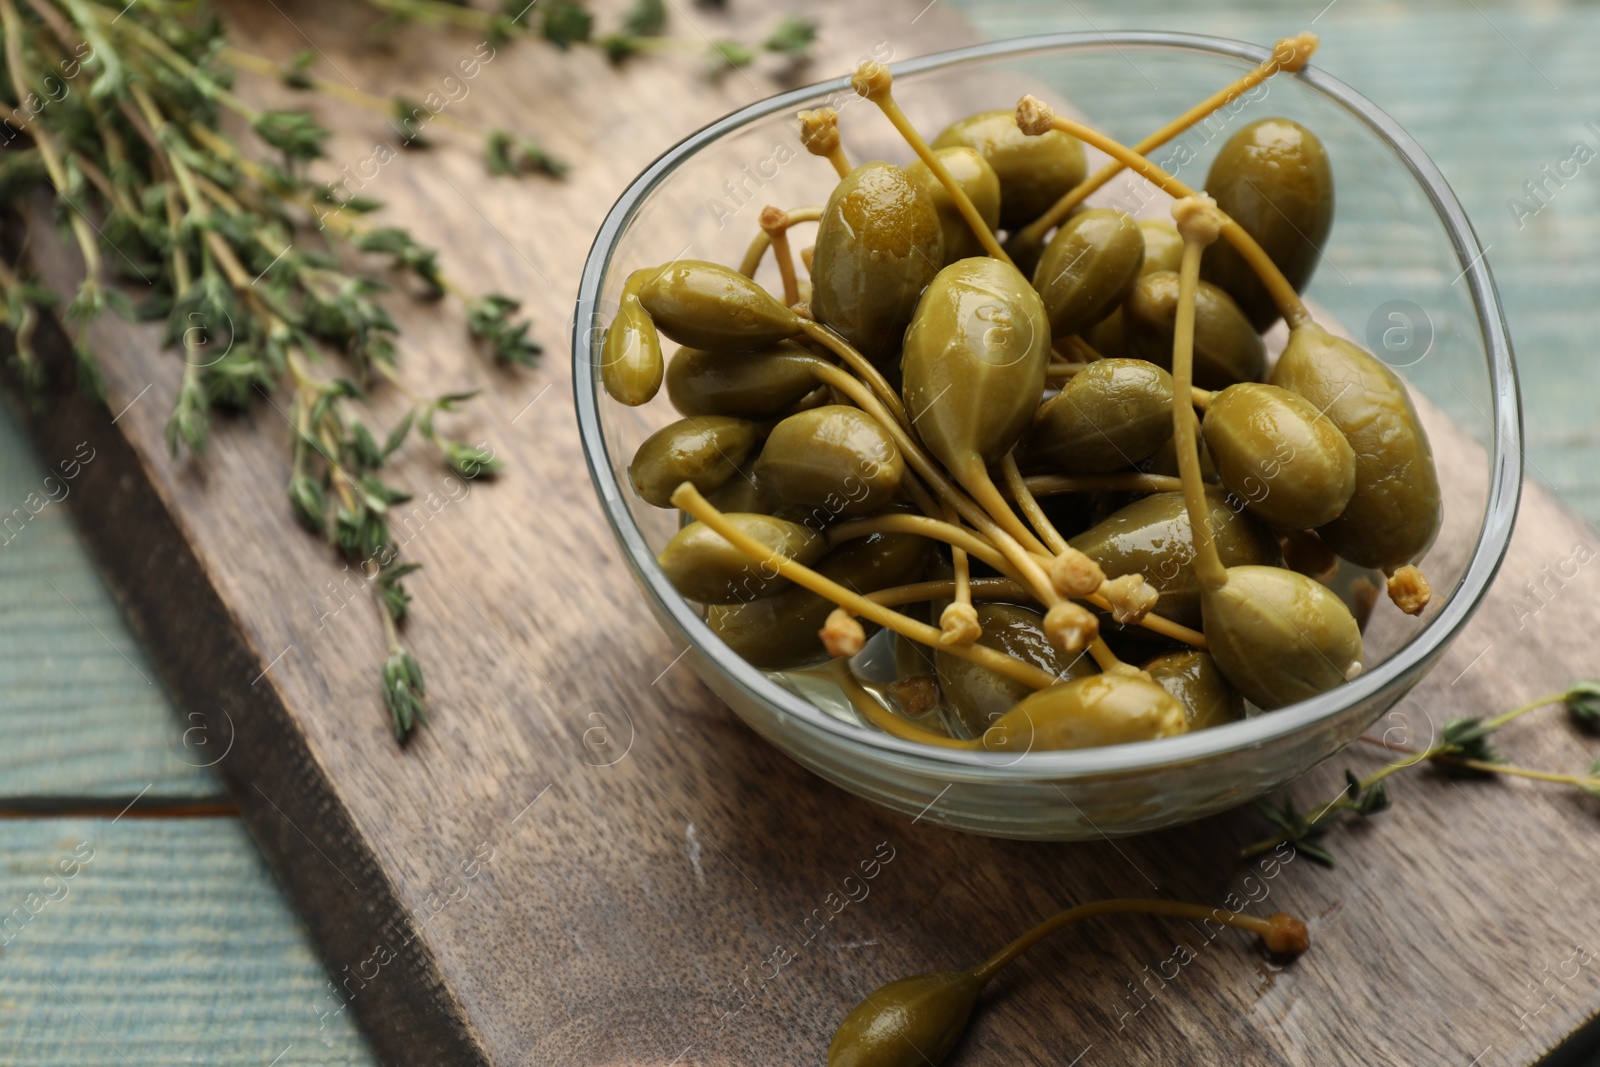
x=1034 y=172
x=910 y=1022
x=1088 y=268
x=1152 y=537
x=1275 y=451
x=974 y=361
x=630 y=356
x=1227 y=349
x=781 y=631
x=1100 y=709
x=754 y=384
x=1273 y=179
x=1112 y=414
x=707 y=305
x=978 y=695
x=879 y=244
x=1280 y=637
x=833 y=457
x=1192 y=677
x=1394 y=514
x=977 y=179
x=704 y=567
x=704 y=450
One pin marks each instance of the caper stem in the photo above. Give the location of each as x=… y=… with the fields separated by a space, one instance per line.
x=858 y=363
x=1270 y=930
x=1030 y=507
x=1289 y=54
x=687 y=498
x=761 y=242
x=1063 y=369
x=775 y=224
x=1052 y=484
x=1034 y=114
x=873 y=81
x=1207 y=563
x=1201 y=398
x=886 y=720
x=962 y=593
x=939 y=588
x=922 y=526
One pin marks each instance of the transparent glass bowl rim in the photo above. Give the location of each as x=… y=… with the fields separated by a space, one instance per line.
x=1399 y=670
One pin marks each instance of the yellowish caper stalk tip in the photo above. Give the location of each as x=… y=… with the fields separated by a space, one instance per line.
x=819 y=131
x=1285 y=935
x=1292 y=53
x=1409 y=589
x=842 y=635
x=1131 y=598
x=1198 y=218
x=958 y=624
x=1074 y=574
x=871 y=80
x=1071 y=627
x=773 y=220
x=1034 y=117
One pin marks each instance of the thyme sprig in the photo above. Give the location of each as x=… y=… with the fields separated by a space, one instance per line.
x=1463 y=748
x=270 y=284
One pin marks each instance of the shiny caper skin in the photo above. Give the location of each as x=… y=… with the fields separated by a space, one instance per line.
x=1163 y=246
x=879 y=244
x=1273 y=179
x=1088 y=268
x=702 y=566
x=781 y=631
x=834 y=457
x=1193 y=677
x=974 y=361
x=1099 y=709
x=977 y=179
x=911 y=1022
x=977 y=695
x=753 y=384
x=1110 y=415
x=1151 y=537
x=630 y=355
x=1394 y=514
x=707 y=305
x=1275 y=451
x=1279 y=637
x=1034 y=172
x=1227 y=349
x=703 y=450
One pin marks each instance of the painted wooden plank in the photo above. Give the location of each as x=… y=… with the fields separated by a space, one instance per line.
x=156 y=942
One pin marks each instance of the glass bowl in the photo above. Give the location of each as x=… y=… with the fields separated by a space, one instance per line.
x=1402 y=269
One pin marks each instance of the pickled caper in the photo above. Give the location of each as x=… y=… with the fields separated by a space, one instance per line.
x=630 y=355
x=1112 y=414
x=1088 y=268
x=977 y=696
x=1034 y=172
x=1273 y=179
x=1099 y=709
x=1152 y=537
x=704 y=450
x=753 y=384
x=1278 y=636
x=832 y=457
x=879 y=244
x=977 y=179
x=1394 y=513
x=1227 y=349
x=1192 y=677
x=707 y=305
x=974 y=361
x=1275 y=451
x=702 y=566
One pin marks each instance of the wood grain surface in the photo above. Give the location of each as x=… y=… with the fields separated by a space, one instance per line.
x=489 y=895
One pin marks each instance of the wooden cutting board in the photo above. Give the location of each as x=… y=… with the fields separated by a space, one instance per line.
x=497 y=893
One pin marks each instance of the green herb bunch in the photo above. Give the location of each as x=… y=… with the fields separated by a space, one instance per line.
x=1462 y=749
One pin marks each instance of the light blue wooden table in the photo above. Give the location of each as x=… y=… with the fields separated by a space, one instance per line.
x=171 y=943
